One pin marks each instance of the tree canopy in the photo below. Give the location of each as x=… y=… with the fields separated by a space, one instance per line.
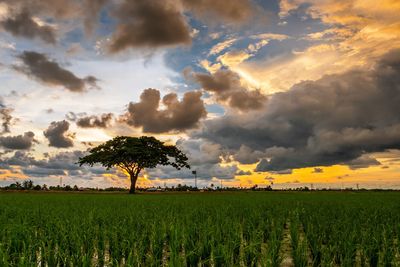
x=133 y=154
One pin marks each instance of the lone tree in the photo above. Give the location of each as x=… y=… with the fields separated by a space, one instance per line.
x=133 y=154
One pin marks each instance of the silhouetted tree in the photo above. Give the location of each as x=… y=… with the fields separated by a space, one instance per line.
x=18 y=185
x=68 y=188
x=37 y=187
x=27 y=184
x=12 y=186
x=133 y=154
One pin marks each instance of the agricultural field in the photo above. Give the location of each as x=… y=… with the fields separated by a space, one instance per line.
x=200 y=229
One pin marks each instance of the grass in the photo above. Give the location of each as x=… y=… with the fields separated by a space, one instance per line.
x=210 y=229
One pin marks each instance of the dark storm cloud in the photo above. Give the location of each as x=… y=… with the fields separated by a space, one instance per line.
x=101 y=121
x=19 y=142
x=230 y=11
x=333 y=120
x=47 y=71
x=23 y=25
x=148 y=24
x=228 y=89
x=177 y=115
x=58 y=136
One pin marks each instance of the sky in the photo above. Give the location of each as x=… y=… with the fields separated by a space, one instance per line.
x=255 y=92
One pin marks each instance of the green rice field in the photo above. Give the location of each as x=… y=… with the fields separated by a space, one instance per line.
x=200 y=229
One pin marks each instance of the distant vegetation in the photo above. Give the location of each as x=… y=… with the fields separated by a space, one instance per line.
x=27 y=185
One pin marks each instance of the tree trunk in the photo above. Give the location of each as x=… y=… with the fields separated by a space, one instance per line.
x=133 y=183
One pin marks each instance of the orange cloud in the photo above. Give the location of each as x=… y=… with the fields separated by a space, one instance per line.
x=11 y=174
x=359 y=32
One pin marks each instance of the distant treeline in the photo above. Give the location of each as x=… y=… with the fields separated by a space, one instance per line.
x=27 y=185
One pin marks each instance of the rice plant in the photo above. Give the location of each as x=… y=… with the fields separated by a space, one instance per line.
x=218 y=229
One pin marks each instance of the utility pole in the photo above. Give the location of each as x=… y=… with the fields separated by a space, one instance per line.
x=221 y=183
x=195 y=178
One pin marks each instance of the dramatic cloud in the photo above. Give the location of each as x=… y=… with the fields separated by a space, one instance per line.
x=242 y=172
x=151 y=24
x=140 y=23
x=344 y=12
x=229 y=11
x=102 y=121
x=177 y=115
x=354 y=34
x=61 y=164
x=204 y=172
x=58 y=136
x=64 y=161
x=86 y=11
x=148 y=24
x=20 y=142
x=363 y=161
x=5 y=118
x=201 y=153
x=333 y=120
x=47 y=71
x=204 y=157
x=22 y=24
x=218 y=48
x=228 y=89
x=247 y=155
x=56 y=8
